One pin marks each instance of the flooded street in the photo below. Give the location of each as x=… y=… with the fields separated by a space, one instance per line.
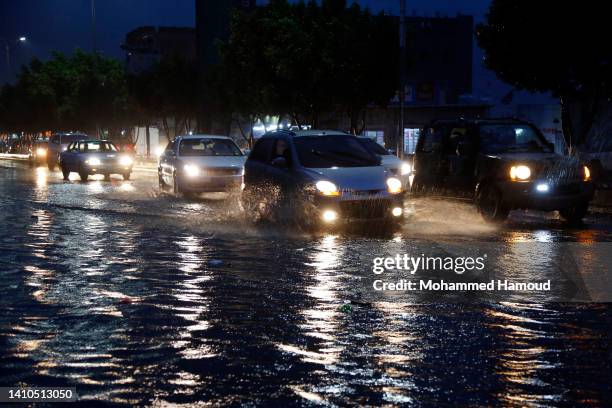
x=138 y=298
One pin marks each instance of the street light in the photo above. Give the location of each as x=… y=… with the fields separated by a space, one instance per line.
x=7 y=44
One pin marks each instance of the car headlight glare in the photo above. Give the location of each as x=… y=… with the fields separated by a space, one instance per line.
x=191 y=170
x=125 y=161
x=587 y=173
x=41 y=151
x=405 y=169
x=394 y=185
x=327 y=188
x=520 y=173
x=93 y=161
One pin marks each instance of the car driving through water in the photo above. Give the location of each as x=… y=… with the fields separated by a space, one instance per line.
x=201 y=163
x=88 y=157
x=504 y=165
x=319 y=178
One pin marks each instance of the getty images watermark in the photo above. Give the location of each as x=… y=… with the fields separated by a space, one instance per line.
x=462 y=274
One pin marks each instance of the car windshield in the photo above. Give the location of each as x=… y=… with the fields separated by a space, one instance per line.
x=209 y=147
x=100 y=147
x=507 y=138
x=374 y=147
x=323 y=152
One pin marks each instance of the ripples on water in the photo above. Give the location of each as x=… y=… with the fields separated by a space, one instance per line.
x=139 y=310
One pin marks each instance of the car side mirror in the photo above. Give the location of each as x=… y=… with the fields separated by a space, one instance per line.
x=280 y=163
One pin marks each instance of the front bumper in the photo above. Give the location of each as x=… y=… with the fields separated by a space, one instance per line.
x=374 y=207
x=524 y=195
x=107 y=168
x=209 y=184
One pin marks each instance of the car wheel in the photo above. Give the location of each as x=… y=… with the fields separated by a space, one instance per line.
x=176 y=189
x=162 y=185
x=574 y=215
x=126 y=176
x=65 y=173
x=490 y=204
x=83 y=174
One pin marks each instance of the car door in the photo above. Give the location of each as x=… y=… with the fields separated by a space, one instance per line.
x=67 y=157
x=430 y=162
x=460 y=152
x=256 y=168
x=283 y=179
x=166 y=162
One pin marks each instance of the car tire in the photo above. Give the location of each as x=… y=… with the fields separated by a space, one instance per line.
x=65 y=173
x=126 y=176
x=162 y=185
x=83 y=174
x=490 y=204
x=576 y=214
x=176 y=189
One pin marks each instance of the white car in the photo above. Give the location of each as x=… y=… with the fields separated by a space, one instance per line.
x=201 y=163
x=395 y=166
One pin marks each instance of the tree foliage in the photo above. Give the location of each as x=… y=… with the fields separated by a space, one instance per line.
x=302 y=59
x=82 y=91
x=551 y=46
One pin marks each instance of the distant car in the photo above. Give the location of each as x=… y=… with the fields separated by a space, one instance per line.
x=397 y=167
x=201 y=163
x=322 y=177
x=58 y=143
x=503 y=165
x=37 y=155
x=88 y=157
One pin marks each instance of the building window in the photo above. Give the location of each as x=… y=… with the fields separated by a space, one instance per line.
x=411 y=137
x=377 y=135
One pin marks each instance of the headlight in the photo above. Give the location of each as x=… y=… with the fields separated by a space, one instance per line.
x=125 y=161
x=93 y=162
x=191 y=170
x=587 y=173
x=159 y=151
x=327 y=188
x=520 y=173
x=394 y=185
x=41 y=151
x=406 y=169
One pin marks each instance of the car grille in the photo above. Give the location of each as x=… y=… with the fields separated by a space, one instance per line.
x=365 y=209
x=223 y=171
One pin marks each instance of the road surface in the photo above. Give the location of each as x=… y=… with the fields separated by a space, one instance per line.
x=134 y=297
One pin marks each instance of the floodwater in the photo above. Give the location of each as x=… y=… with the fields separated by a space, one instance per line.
x=138 y=298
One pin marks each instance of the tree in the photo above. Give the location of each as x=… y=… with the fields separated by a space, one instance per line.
x=551 y=46
x=298 y=60
x=82 y=91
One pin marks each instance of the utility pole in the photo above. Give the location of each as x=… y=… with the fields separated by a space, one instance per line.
x=93 y=26
x=402 y=77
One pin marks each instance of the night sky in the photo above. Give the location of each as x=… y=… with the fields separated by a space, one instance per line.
x=64 y=25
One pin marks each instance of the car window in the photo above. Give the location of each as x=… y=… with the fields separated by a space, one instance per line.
x=374 y=147
x=511 y=138
x=169 y=148
x=98 y=147
x=261 y=150
x=333 y=151
x=281 y=149
x=55 y=139
x=208 y=147
x=456 y=136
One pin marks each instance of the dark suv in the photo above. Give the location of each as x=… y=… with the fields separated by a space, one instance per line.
x=504 y=165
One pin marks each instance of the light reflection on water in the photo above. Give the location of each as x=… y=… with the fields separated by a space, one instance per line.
x=133 y=310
